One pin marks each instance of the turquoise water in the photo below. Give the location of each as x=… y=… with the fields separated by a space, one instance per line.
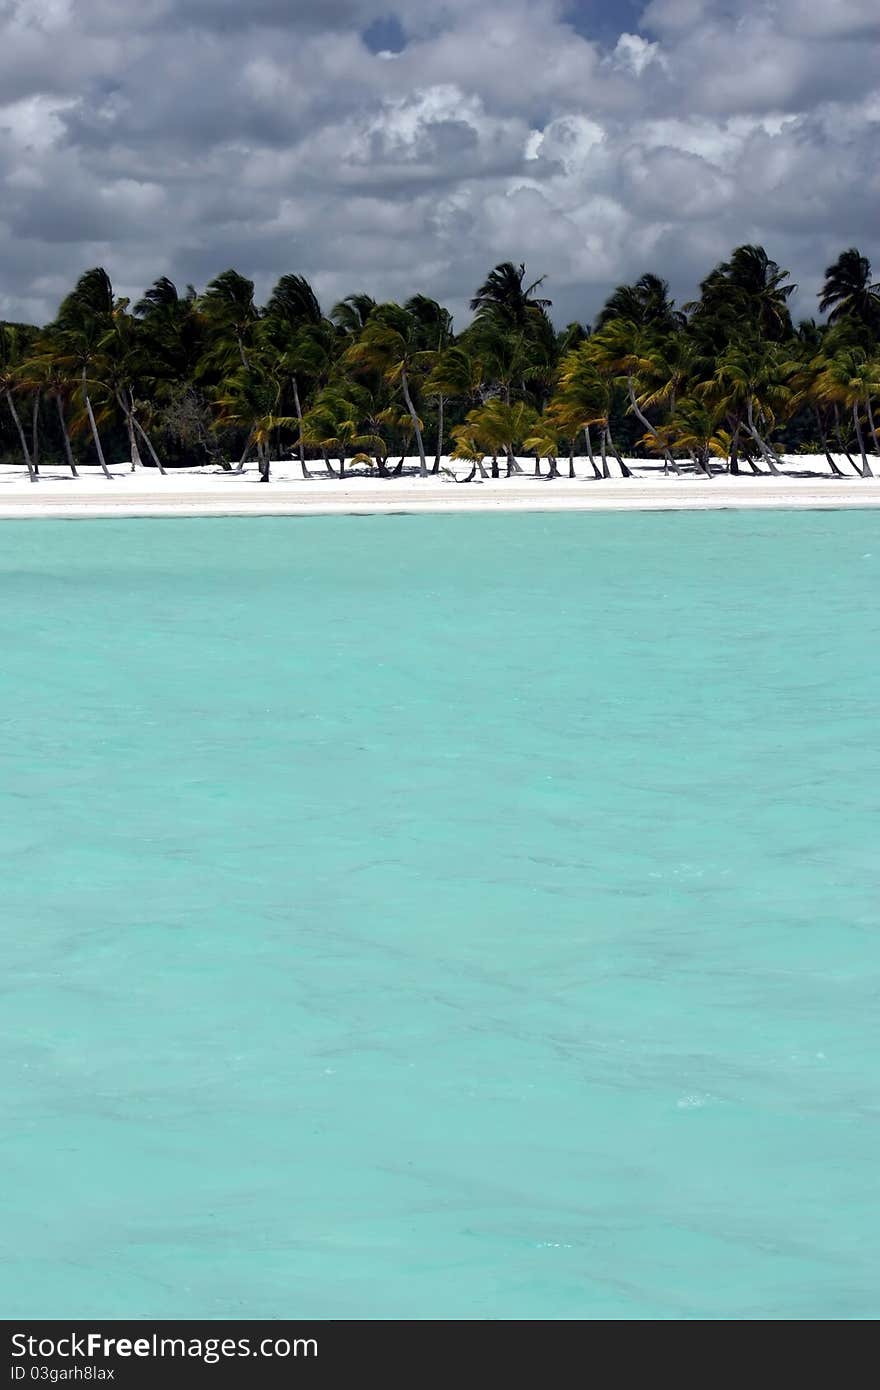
x=456 y=916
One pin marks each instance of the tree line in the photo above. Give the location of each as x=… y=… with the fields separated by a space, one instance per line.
x=726 y=382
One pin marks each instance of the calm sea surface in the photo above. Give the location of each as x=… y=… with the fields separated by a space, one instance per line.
x=458 y=916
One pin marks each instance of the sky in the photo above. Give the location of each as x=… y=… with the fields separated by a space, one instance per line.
x=407 y=147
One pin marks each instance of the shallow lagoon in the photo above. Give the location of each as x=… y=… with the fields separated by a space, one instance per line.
x=441 y=916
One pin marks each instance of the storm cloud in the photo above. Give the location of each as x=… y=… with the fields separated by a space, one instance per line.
x=410 y=148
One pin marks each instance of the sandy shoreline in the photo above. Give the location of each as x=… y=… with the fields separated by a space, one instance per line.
x=806 y=483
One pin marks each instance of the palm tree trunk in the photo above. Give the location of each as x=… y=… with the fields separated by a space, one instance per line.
x=420 y=443
x=606 y=472
x=439 y=454
x=245 y=451
x=35 y=433
x=839 y=432
x=699 y=458
x=94 y=428
x=148 y=441
x=299 y=416
x=752 y=428
x=643 y=420
x=873 y=426
x=132 y=442
x=733 y=456
x=866 y=467
x=735 y=422
x=136 y=459
x=554 y=467
x=624 y=471
x=65 y=436
x=838 y=472
x=327 y=464
x=24 y=446
x=571 y=458
x=589 y=443
x=263 y=452
x=342 y=465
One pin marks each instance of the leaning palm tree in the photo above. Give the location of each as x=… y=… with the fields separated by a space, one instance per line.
x=294 y=302
x=805 y=367
x=351 y=314
x=586 y=389
x=505 y=294
x=84 y=320
x=249 y=399
x=755 y=375
x=565 y=418
x=849 y=293
x=10 y=366
x=544 y=442
x=627 y=349
x=499 y=426
x=339 y=422
x=747 y=293
x=43 y=372
x=231 y=315
x=696 y=428
x=646 y=303
x=303 y=342
x=849 y=379
x=435 y=329
x=124 y=360
x=390 y=345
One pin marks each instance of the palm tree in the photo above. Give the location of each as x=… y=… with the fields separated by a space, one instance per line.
x=582 y=399
x=435 y=329
x=123 y=362
x=497 y=427
x=173 y=334
x=754 y=375
x=628 y=349
x=84 y=320
x=849 y=293
x=351 y=314
x=10 y=362
x=587 y=381
x=340 y=422
x=543 y=442
x=231 y=315
x=294 y=302
x=504 y=294
x=849 y=378
x=249 y=399
x=696 y=428
x=295 y=329
x=43 y=372
x=389 y=344
x=749 y=293
x=646 y=304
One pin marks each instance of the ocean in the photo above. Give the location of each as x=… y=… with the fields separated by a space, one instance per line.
x=440 y=916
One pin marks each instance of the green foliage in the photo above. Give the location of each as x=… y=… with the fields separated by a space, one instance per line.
x=210 y=372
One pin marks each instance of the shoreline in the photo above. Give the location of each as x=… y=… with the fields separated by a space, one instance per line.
x=202 y=493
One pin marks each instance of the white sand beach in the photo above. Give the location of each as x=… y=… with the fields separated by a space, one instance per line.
x=806 y=482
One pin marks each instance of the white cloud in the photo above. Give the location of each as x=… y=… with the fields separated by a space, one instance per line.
x=633 y=54
x=179 y=136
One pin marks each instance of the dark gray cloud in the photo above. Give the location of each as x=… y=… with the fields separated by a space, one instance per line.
x=593 y=138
